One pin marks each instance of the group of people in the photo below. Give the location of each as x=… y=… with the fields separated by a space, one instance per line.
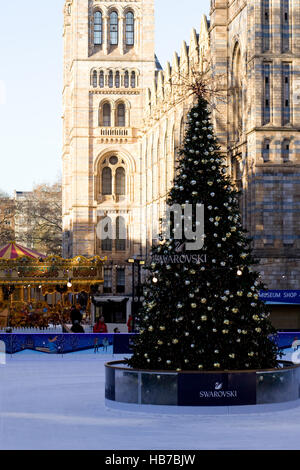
x=41 y=315
x=101 y=327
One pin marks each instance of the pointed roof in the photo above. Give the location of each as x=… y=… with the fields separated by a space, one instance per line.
x=13 y=250
x=157 y=63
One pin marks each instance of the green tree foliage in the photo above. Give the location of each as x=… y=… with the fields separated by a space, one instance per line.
x=205 y=315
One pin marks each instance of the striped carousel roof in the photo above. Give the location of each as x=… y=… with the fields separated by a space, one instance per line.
x=13 y=251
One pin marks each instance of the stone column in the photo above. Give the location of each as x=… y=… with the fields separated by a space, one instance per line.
x=121 y=34
x=113 y=115
x=106 y=34
x=127 y=116
x=122 y=79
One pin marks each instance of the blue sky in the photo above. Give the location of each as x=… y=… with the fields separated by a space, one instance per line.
x=31 y=81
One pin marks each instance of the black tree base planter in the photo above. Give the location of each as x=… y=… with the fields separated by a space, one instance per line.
x=202 y=389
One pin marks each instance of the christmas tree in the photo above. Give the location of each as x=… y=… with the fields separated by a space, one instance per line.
x=204 y=313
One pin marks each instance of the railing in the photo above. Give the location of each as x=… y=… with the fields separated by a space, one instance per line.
x=116 y=132
x=50 y=329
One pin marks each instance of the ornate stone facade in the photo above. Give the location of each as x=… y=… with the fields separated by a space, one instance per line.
x=124 y=120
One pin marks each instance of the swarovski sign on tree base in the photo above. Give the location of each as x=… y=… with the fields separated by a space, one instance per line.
x=205 y=390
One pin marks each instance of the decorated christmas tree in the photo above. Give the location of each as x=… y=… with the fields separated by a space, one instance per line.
x=202 y=309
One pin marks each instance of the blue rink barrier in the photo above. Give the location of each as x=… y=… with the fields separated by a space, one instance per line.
x=65 y=343
x=286 y=338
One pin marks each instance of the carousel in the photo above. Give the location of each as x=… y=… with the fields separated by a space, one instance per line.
x=37 y=291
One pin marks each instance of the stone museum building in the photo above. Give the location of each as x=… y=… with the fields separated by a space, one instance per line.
x=124 y=121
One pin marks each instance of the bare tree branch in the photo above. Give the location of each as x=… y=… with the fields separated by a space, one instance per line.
x=42 y=215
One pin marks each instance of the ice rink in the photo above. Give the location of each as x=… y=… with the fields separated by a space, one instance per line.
x=54 y=402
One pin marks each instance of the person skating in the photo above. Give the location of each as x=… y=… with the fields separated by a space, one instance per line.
x=96 y=345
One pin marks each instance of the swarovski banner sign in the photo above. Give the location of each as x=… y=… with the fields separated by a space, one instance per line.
x=217 y=389
x=179 y=259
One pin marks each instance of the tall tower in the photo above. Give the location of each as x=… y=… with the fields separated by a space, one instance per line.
x=109 y=62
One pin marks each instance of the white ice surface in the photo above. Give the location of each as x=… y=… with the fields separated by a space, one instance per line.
x=50 y=402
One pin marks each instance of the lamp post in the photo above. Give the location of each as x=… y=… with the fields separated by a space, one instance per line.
x=139 y=264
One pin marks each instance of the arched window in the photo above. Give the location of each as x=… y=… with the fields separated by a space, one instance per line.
x=285 y=25
x=121 y=115
x=120 y=234
x=166 y=145
x=173 y=154
x=117 y=80
x=120 y=182
x=266 y=93
x=181 y=131
x=110 y=79
x=286 y=150
x=237 y=96
x=114 y=28
x=266 y=150
x=106 y=241
x=129 y=29
x=158 y=150
x=106 y=115
x=126 y=79
x=266 y=24
x=286 y=93
x=97 y=28
x=101 y=79
x=95 y=79
x=133 y=79
x=106 y=181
